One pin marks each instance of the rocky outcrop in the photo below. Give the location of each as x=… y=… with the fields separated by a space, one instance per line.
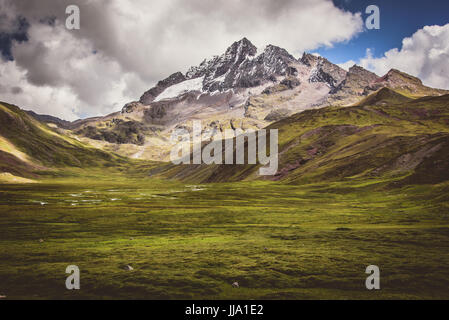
x=117 y=131
x=323 y=70
x=151 y=94
x=132 y=107
x=309 y=60
x=277 y=114
x=353 y=87
x=288 y=83
x=356 y=81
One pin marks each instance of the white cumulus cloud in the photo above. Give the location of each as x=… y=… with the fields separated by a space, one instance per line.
x=425 y=55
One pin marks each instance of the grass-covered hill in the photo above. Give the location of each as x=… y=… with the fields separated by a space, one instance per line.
x=28 y=146
x=386 y=136
x=383 y=97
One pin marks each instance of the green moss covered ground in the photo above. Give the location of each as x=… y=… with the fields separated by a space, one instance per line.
x=193 y=241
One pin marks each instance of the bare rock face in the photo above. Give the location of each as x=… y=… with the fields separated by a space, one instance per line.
x=291 y=82
x=356 y=81
x=353 y=87
x=288 y=83
x=151 y=94
x=309 y=60
x=324 y=71
x=272 y=62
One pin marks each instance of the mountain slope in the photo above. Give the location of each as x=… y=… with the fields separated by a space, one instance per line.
x=407 y=142
x=50 y=119
x=28 y=146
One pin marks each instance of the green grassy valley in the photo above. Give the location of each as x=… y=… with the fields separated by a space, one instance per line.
x=193 y=241
x=357 y=186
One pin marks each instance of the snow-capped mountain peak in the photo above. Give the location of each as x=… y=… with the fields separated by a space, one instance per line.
x=238 y=67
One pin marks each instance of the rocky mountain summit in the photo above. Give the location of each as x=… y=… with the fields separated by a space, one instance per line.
x=238 y=67
x=242 y=88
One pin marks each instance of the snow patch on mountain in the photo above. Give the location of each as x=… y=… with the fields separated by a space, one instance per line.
x=181 y=88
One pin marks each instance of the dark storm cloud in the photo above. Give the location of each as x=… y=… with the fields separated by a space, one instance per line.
x=11 y=31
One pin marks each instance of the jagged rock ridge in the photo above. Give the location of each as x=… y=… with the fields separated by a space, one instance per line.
x=151 y=94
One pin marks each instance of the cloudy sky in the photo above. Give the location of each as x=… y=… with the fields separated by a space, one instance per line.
x=125 y=46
